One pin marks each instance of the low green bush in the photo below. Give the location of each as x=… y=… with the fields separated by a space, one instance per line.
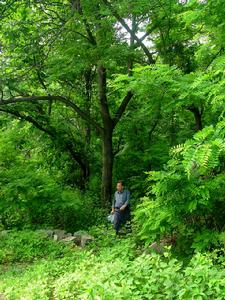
x=114 y=271
x=28 y=246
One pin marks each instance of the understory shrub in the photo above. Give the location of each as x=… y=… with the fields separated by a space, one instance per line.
x=186 y=200
x=115 y=272
x=27 y=246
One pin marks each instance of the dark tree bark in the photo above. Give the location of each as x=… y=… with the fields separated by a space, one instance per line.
x=107 y=147
x=107 y=167
x=107 y=134
x=198 y=117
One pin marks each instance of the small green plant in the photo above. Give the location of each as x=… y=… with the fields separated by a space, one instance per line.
x=113 y=272
x=27 y=246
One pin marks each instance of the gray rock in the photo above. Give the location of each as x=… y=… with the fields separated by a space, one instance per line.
x=55 y=237
x=46 y=232
x=82 y=238
x=86 y=238
x=56 y=234
x=61 y=234
x=69 y=239
x=4 y=233
x=50 y=232
x=157 y=247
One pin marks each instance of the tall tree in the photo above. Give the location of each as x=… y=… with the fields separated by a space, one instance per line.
x=54 y=45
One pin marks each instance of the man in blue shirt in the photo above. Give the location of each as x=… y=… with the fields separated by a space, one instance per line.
x=120 y=206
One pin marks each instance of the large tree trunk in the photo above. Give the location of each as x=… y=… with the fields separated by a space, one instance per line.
x=109 y=124
x=107 y=167
x=107 y=148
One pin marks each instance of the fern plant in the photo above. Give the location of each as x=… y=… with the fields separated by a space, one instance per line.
x=188 y=196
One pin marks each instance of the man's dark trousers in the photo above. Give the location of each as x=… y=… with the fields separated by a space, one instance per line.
x=120 y=217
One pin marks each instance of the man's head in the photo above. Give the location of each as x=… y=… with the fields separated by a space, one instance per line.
x=119 y=185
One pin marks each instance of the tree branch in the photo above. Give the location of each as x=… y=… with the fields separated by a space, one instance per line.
x=78 y=7
x=53 y=134
x=122 y=108
x=198 y=116
x=124 y=24
x=64 y=100
x=29 y=119
x=147 y=33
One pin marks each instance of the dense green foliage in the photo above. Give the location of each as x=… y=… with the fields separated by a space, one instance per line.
x=27 y=246
x=96 y=91
x=187 y=198
x=33 y=190
x=116 y=270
